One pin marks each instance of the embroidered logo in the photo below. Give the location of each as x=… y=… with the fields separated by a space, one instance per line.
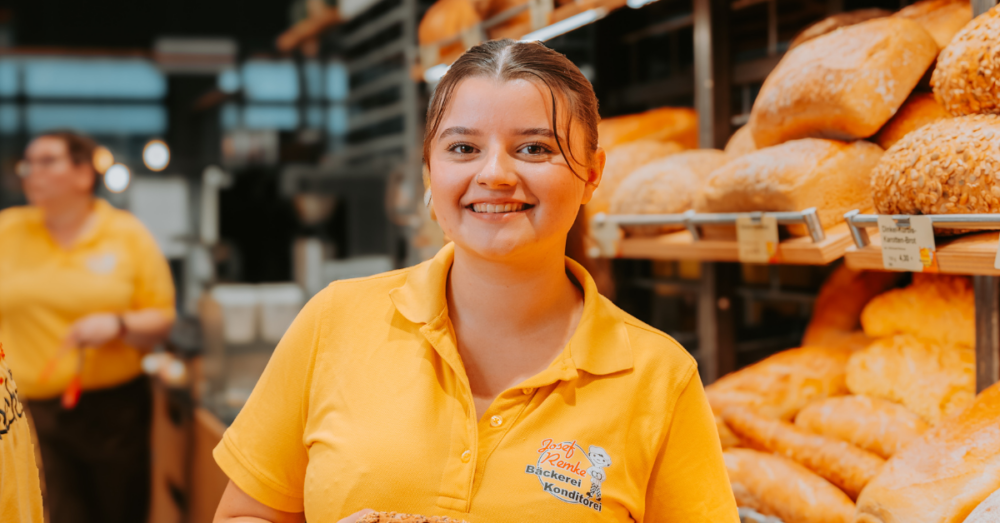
x=561 y=470
x=11 y=408
x=102 y=263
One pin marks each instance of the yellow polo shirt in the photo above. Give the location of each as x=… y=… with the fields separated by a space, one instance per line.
x=115 y=267
x=20 y=495
x=366 y=404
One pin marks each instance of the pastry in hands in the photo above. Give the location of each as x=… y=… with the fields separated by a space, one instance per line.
x=876 y=425
x=777 y=486
x=839 y=462
x=395 y=517
x=943 y=475
x=934 y=307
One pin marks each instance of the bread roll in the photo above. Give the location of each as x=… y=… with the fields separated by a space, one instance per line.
x=665 y=124
x=841 y=299
x=944 y=474
x=777 y=486
x=919 y=110
x=779 y=386
x=834 y=22
x=846 y=466
x=395 y=517
x=726 y=436
x=664 y=186
x=986 y=512
x=446 y=19
x=876 y=425
x=968 y=70
x=622 y=161
x=832 y=176
x=933 y=380
x=941 y=18
x=934 y=307
x=837 y=339
x=844 y=85
x=741 y=142
x=946 y=167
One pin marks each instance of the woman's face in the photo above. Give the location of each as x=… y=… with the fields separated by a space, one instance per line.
x=53 y=177
x=500 y=186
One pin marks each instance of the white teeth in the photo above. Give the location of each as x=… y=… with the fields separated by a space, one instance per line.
x=497 y=208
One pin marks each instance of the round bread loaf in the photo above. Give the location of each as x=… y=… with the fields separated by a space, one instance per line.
x=665 y=186
x=396 y=517
x=741 y=142
x=919 y=110
x=947 y=167
x=623 y=161
x=967 y=77
x=943 y=19
x=446 y=19
x=664 y=124
x=834 y=22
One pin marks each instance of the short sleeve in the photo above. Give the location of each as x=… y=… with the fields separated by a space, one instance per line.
x=263 y=452
x=154 y=285
x=689 y=481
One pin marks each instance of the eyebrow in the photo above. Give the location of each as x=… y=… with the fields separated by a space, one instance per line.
x=462 y=131
x=466 y=131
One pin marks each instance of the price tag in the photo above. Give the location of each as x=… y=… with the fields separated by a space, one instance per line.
x=996 y=262
x=908 y=247
x=757 y=238
x=607 y=236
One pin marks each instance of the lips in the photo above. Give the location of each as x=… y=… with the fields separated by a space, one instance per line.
x=499 y=208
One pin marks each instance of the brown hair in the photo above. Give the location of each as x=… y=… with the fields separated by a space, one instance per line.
x=510 y=60
x=79 y=147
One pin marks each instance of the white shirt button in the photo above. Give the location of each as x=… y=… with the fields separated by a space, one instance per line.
x=496 y=421
x=467 y=456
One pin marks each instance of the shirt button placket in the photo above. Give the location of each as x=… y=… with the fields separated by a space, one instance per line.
x=467 y=456
x=496 y=421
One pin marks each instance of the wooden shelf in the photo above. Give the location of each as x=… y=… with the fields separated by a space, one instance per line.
x=966 y=254
x=794 y=251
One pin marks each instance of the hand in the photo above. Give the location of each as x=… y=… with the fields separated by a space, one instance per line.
x=94 y=330
x=356 y=516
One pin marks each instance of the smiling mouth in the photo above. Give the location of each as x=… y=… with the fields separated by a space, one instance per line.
x=499 y=208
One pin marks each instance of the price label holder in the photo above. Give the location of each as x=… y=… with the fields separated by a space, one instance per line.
x=996 y=262
x=908 y=244
x=607 y=236
x=757 y=238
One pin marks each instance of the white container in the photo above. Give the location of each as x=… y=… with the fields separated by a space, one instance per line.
x=279 y=304
x=356 y=267
x=239 y=311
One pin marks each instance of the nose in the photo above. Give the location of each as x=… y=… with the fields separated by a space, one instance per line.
x=498 y=171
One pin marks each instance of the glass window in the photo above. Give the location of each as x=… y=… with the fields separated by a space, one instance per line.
x=336 y=81
x=270 y=81
x=284 y=118
x=8 y=78
x=97 y=119
x=229 y=81
x=93 y=78
x=9 y=119
x=337 y=120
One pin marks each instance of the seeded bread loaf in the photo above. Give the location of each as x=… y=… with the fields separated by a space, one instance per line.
x=919 y=110
x=944 y=474
x=832 y=176
x=967 y=77
x=834 y=22
x=873 y=424
x=665 y=186
x=446 y=19
x=777 y=486
x=622 y=161
x=846 y=466
x=843 y=85
x=395 y=517
x=946 y=167
x=943 y=19
x=986 y=512
x=665 y=124
x=741 y=142
x=934 y=381
x=934 y=307
x=842 y=298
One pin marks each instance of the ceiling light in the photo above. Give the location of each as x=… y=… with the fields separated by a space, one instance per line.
x=156 y=155
x=117 y=177
x=103 y=159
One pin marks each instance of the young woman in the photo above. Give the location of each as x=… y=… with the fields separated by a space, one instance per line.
x=492 y=383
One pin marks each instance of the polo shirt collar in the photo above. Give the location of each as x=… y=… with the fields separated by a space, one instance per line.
x=599 y=346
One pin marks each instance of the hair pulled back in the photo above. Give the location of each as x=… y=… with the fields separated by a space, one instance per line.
x=506 y=60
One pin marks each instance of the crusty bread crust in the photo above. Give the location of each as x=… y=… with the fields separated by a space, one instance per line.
x=622 y=161
x=967 y=77
x=834 y=22
x=876 y=425
x=919 y=110
x=943 y=19
x=396 y=517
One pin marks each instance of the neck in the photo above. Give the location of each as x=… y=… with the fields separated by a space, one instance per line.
x=67 y=218
x=521 y=295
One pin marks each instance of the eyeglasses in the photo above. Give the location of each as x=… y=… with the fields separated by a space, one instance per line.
x=25 y=166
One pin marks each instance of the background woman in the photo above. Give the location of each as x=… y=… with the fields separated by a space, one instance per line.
x=492 y=383
x=78 y=274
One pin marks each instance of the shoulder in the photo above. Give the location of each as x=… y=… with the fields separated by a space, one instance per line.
x=359 y=296
x=14 y=218
x=656 y=352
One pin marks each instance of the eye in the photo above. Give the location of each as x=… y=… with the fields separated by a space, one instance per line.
x=535 y=149
x=462 y=148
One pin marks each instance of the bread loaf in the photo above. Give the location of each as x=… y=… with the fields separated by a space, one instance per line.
x=846 y=466
x=622 y=161
x=844 y=85
x=934 y=307
x=946 y=167
x=741 y=142
x=944 y=474
x=919 y=110
x=876 y=425
x=777 y=486
x=834 y=22
x=780 y=385
x=837 y=339
x=941 y=18
x=395 y=517
x=664 y=186
x=841 y=299
x=446 y=19
x=967 y=77
x=726 y=436
x=832 y=176
x=988 y=511
x=514 y=27
x=934 y=381
x=665 y=124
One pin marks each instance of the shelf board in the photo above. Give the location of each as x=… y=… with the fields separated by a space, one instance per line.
x=966 y=254
x=793 y=251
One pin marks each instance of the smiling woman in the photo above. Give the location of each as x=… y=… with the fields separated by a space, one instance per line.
x=492 y=383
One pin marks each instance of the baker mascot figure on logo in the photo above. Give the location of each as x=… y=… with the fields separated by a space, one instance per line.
x=598 y=460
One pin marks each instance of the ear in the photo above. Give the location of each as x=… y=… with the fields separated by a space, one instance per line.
x=594 y=174
x=84 y=176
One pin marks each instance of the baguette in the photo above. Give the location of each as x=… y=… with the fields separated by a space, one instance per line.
x=876 y=425
x=839 y=462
